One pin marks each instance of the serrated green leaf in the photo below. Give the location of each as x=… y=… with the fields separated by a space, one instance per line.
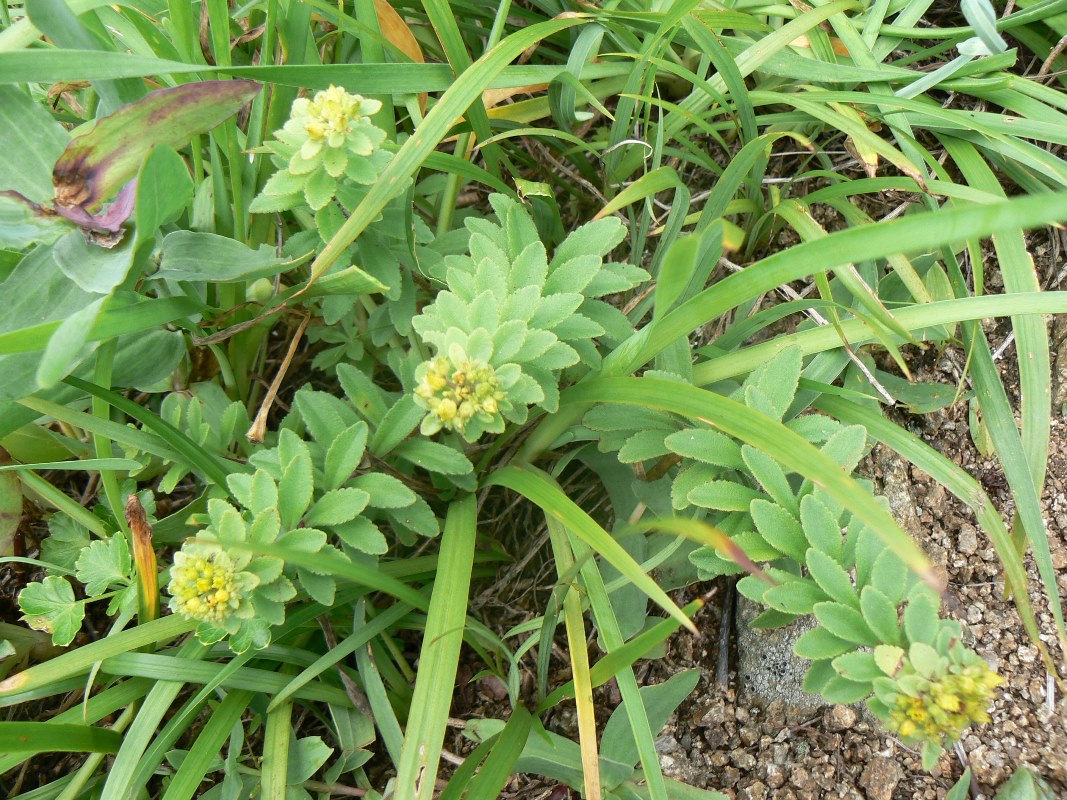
x=846 y=446
x=65 y=541
x=771 y=477
x=845 y=622
x=880 y=614
x=921 y=619
x=642 y=446
x=337 y=506
x=819 y=643
x=296 y=485
x=724 y=496
x=50 y=606
x=890 y=577
x=889 y=658
x=385 y=491
x=794 y=597
x=363 y=535
x=925 y=659
x=831 y=577
x=821 y=529
x=845 y=692
x=857 y=666
x=326 y=416
x=772 y=618
x=780 y=528
x=434 y=457
x=708 y=446
x=417 y=517
x=819 y=674
x=103 y=563
x=344 y=455
x=777 y=380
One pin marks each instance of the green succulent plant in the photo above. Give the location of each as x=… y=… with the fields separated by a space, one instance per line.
x=525 y=317
x=327 y=141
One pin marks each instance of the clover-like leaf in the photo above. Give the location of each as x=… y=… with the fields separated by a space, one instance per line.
x=50 y=606
x=104 y=563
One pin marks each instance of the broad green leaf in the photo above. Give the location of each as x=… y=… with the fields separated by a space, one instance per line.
x=164 y=188
x=706 y=445
x=794 y=597
x=831 y=577
x=660 y=701
x=94 y=268
x=337 y=506
x=880 y=615
x=780 y=529
x=194 y=256
x=21 y=226
x=344 y=455
x=64 y=542
x=32 y=143
x=306 y=755
x=845 y=622
x=385 y=491
x=434 y=457
x=819 y=643
x=857 y=666
x=845 y=692
x=10 y=506
x=771 y=477
x=821 y=529
x=921 y=619
x=724 y=496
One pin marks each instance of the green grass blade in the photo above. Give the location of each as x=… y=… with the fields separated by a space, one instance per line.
x=51 y=737
x=78 y=662
x=614 y=662
x=764 y=433
x=439 y=658
x=464 y=91
x=344 y=648
x=913 y=234
x=208 y=743
x=540 y=489
x=195 y=455
x=817 y=340
x=490 y=780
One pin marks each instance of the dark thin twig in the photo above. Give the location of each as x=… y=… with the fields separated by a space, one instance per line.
x=726 y=624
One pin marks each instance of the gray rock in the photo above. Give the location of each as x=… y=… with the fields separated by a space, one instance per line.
x=767 y=668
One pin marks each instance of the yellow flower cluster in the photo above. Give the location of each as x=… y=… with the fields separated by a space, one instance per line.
x=329 y=117
x=204 y=586
x=945 y=706
x=455 y=389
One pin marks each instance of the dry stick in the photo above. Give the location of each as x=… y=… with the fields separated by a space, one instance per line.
x=355 y=694
x=259 y=428
x=722 y=661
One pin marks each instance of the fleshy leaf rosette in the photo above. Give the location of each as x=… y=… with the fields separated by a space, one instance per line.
x=524 y=316
x=327 y=141
x=231 y=593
